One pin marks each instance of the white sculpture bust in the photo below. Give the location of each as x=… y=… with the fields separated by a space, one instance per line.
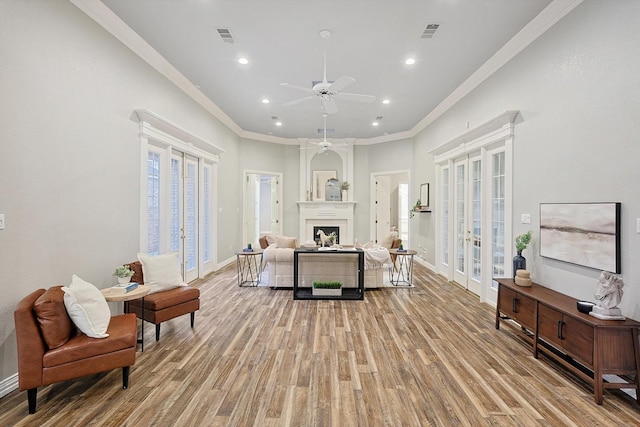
x=609 y=291
x=609 y=294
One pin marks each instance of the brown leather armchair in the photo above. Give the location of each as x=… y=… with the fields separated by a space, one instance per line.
x=51 y=349
x=165 y=305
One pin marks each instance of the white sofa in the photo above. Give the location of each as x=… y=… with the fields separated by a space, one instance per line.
x=278 y=266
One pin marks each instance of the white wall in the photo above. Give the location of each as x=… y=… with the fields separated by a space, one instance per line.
x=70 y=156
x=576 y=139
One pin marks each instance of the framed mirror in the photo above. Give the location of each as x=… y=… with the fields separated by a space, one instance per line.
x=424 y=196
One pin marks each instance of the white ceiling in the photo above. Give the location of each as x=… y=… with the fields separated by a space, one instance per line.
x=370 y=41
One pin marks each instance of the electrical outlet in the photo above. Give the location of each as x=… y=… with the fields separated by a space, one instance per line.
x=525 y=218
x=2 y=222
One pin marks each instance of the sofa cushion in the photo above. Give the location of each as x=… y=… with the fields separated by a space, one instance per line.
x=161 y=272
x=282 y=241
x=121 y=335
x=170 y=298
x=55 y=324
x=87 y=308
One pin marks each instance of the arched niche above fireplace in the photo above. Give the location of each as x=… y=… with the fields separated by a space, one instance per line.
x=312 y=159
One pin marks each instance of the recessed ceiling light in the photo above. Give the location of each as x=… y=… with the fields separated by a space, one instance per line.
x=410 y=61
x=265 y=101
x=243 y=61
x=386 y=101
x=375 y=124
x=278 y=123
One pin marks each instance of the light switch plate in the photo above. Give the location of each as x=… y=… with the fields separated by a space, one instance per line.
x=525 y=218
x=2 y=222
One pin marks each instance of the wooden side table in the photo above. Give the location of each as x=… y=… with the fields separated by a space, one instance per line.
x=113 y=295
x=404 y=272
x=249 y=266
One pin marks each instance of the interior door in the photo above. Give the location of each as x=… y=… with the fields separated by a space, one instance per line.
x=467 y=217
x=261 y=205
x=383 y=207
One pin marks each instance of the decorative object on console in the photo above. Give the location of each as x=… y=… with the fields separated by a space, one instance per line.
x=523 y=278
x=585 y=234
x=326 y=240
x=609 y=294
x=520 y=262
x=123 y=273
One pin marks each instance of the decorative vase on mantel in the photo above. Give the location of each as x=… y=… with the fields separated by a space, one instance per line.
x=519 y=263
x=344 y=195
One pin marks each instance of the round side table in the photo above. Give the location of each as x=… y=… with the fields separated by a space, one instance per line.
x=113 y=295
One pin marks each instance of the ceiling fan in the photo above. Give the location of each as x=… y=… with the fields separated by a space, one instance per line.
x=325 y=145
x=326 y=91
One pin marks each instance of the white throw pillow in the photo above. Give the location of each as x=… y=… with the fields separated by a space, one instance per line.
x=387 y=241
x=161 y=272
x=87 y=308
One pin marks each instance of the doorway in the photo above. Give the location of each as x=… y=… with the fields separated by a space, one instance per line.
x=390 y=205
x=261 y=207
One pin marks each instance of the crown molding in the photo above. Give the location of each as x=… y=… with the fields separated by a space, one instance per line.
x=553 y=13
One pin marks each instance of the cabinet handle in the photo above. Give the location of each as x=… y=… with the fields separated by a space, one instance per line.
x=560 y=324
x=514 y=306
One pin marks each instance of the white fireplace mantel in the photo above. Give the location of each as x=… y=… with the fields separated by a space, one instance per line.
x=328 y=214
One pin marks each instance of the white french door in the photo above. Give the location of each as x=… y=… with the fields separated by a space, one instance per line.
x=473 y=188
x=176 y=196
x=383 y=207
x=184 y=204
x=467 y=215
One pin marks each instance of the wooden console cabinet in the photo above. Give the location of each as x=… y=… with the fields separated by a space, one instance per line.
x=587 y=346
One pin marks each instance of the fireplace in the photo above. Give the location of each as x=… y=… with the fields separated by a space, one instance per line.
x=327 y=230
x=327 y=216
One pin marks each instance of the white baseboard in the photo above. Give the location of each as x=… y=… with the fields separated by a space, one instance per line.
x=425 y=263
x=8 y=385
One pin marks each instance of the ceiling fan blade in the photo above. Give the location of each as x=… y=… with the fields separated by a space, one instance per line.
x=297 y=101
x=339 y=144
x=305 y=89
x=328 y=105
x=357 y=97
x=341 y=83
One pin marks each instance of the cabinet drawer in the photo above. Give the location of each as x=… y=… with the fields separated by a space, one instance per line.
x=518 y=307
x=568 y=334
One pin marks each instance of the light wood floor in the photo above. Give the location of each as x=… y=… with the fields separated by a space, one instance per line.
x=428 y=355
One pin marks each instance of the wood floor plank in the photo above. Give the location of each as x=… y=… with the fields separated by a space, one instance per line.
x=423 y=356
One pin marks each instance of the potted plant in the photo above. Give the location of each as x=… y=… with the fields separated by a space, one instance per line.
x=520 y=262
x=123 y=273
x=344 y=187
x=332 y=238
x=415 y=208
x=331 y=288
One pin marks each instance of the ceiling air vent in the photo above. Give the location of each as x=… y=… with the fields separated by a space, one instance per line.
x=429 y=31
x=225 y=35
x=329 y=131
